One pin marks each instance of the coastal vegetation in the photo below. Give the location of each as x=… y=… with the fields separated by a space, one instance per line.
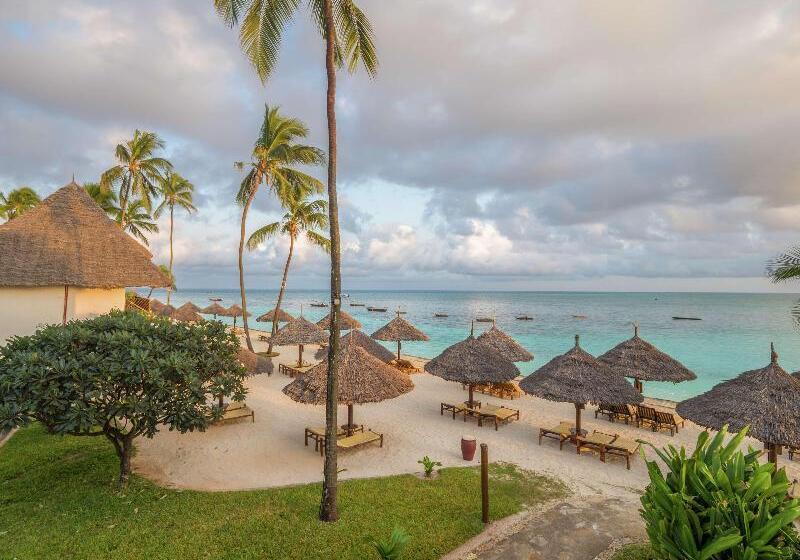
x=59 y=501
x=349 y=40
x=275 y=161
x=175 y=192
x=17 y=202
x=119 y=376
x=302 y=216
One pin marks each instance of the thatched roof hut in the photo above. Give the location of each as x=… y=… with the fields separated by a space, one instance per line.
x=505 y=345
x=346 y=321
x=361 y=339
x=398 y=330
x=186 y=313
x=255 y=364
x=301 y=331
x=283 y=317
x=578 y=377
x=214 y=309
x=472 y=362
x=67 y=240
x=638 y=359
x=362 y=378
x=766 y=399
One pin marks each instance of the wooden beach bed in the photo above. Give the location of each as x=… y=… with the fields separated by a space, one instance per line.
x=561 y=433
x=609 y=444
x=615 y=412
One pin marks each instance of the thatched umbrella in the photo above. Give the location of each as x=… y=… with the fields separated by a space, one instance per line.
x=579 y=378
x=192 y=306
x=346 y=322
x=186 y=313
x=165 y=310
x=361 y=339
x=255 y=364
x=640 y=360
x=283 y=317
x=300 y=331
x=472 y=362
x=155 y=305
x=361 y=377
x=766 y=399
x=505 y=345
x=397 y=330
x=234 y=311
x=214 y=309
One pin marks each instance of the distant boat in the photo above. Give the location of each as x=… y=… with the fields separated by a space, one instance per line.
x=687 y=318
x=377 y=309
x=524 y=318
x=440 y=315
x=580 y=317
x=402 y=312
x=356 y=304
x=318 y=304
x=484 y=319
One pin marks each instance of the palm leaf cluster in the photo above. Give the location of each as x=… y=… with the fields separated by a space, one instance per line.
x=17 y=202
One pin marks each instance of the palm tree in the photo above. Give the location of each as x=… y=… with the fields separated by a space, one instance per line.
x=105 y=199
x=17 y=202
x=302 y=216
x=176 y=191
x=137 y=172
x=275 y=154
x=785 y=266
x=348 y=38
x=168 y=275
x=137 y=220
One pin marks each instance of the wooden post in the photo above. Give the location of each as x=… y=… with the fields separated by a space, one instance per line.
x=485 y=483
x=350 y=419
x=471 y=394
x=66 y=299
x=578 y=407
x=300 y=356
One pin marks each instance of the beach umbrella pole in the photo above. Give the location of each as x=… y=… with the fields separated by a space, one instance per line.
x=299 y=355
x=350 y=426
x=471 y=393
x=398 y=350
x=638 y=385
x=578 y=408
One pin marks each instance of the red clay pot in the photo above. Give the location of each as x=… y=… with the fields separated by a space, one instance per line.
x=468 y=446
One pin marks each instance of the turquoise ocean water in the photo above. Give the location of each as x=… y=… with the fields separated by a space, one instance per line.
x=733 y=336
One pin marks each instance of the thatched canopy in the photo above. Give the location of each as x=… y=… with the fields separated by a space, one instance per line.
x=360 y=338
x=283 y=317
x=578 y=377
x=362 y=377
x=233 y=311
x=346 y=321
x=505 y=345
x=639 y=359
x=165 y=311
x=192 y=306
x=299 y=331
x=472 y=362
x=214 y=309
x=766 y=399
x=186 y=313
x=255 y=364
x=398 y=329
x=68 y=240
x=155 y=305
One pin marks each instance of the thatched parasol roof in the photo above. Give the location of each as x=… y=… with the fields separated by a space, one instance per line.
x=639 y=359
x=766 y=399
x=165 y=311
x=299 y=331
x=399 y=329
x=192 y=306
x=233 y=311
x=255 y=364
x=361 y=339
x=471 y=361
x=155 y=305
x=283 y=317
x=346 y=321
x=578 y=377
x=505 y=345
x=362 y=377
x=214 y=309
x=67 y=240
x=186 y=313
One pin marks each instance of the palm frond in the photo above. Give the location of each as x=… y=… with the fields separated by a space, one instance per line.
x=319 y=240
x=785 y=266
x=261 y=31
x=262 y=234
x=356 y=36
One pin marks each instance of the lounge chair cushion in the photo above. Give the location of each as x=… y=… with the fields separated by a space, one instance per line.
x=357 y=439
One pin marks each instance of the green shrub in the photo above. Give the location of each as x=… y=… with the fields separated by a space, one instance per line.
x=719 y=503
x=428 y=464
x=393 y=548
x=119 y=376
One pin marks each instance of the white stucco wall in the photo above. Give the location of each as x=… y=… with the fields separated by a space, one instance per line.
x=23 y=310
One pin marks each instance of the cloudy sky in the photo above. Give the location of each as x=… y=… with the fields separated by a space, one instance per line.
x=504 y=144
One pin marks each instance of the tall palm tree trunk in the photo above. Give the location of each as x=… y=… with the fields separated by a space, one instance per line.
x=245 y=210
x=171 y=228
x=329 y=510
x=280 y=293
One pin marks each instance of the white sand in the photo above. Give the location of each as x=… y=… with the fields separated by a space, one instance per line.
x=270 y=452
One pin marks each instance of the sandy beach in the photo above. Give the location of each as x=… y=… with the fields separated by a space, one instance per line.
x=270 y=452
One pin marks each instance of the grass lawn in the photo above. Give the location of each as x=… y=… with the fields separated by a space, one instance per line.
x=57 y=500
x=634 y=552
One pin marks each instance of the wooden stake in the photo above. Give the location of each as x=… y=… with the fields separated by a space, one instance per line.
x=66 y=298
x=485 y=483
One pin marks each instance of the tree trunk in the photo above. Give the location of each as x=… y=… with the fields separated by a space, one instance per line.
x=280 y=293
x=124 y=192
x=329 y=510
x=171 y=226
x=245 y=210
x=123 y=445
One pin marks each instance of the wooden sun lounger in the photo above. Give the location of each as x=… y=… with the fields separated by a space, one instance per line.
x=237 y=411
x=498 y=414
x=459 y=408
x=657 y=419
x=623 y=447
x=615 y=412
x=317 y=433
x=596 y=441
x=562 y=433
x=356 y=440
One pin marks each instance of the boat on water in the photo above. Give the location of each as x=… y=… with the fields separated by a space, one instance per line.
x=356 y=304
x=580 y=317
x=440 y=315
x=318 y=304
x=484 y=320
x=524 y=318
x=676 y=318
x=377 y=309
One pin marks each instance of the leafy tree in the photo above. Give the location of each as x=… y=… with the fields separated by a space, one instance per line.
x=17 y=202
x=137 y=221
x=105 y=199
x=137 y=172
x=302 y=216
x=348 y=39
x=276 y=154
x=119 y=376
x=176 y=191
x=719 y=503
